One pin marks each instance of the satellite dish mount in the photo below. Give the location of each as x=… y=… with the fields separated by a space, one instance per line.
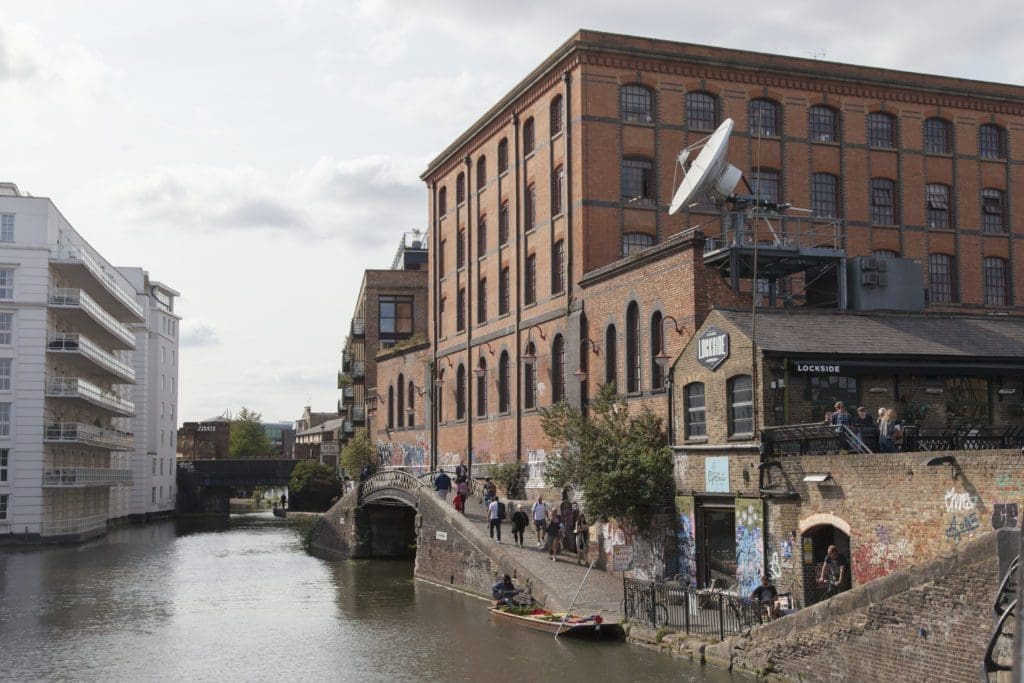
x=709 y=172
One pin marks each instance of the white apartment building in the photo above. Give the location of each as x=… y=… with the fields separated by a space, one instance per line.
x=70 y=325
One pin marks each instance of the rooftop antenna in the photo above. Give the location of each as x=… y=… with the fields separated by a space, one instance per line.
x=709 y=172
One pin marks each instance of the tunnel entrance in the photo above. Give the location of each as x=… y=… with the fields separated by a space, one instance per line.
x=390 y=530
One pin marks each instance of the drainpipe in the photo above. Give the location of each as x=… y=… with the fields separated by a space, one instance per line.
x=567 y=77
x=518 y=299
x=436 y=246
x=468 y=394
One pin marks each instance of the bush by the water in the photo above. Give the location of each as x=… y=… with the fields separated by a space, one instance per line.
x=313 y=486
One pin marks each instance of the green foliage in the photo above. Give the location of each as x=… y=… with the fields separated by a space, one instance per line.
x=914 y=413
x=248 y=440
x=620 y=462
x=312 y=486
x=358 y=453
x=509 y=475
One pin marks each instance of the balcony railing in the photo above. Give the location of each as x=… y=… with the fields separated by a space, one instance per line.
x=75 y=387
x=76 y=343
x=61 y=297
x=358 y=412
x=818 y=438
x=109 y=282
x=348 y=392
x=88 y=435
x=358 y=327
x=74 y=525
x=349 y=426
x=358 y=369
x=86 y=476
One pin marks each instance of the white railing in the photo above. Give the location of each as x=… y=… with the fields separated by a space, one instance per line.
x=70 y=341
x=75 y=525
x=77 y=298
x=358 y=368
x=65 y=253
x=74 y=387
x=76 y=432
x=358 y=326
x=86 y=476
x=358 y=412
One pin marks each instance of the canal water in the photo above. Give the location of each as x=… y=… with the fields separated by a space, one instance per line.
x=240 y=599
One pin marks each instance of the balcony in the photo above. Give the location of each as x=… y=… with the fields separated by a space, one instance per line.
x=347 y=392
x=358 y=369
x=81 y=269
x=81 y=477
x=74 y=525
x=358 y=413
x=75 y=388
x=349 y=427
x=88 y=435
x=80 y=309
x=83 y=355
x=358 y=327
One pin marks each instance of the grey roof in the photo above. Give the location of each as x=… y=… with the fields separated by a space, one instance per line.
x=889 y=334
x=328 y=426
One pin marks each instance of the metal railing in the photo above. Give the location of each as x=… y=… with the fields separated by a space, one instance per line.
x=358 y=326
x=358 y=369
x=86 y=476
x=690 y=610
x=76 y=298
x=73 y=342
x=817 y=438
x=66 y=253
x=76 y=432
x=999 y=652
x=76 y=525
x=358 y=412
x=780 y=231
x=75 y=387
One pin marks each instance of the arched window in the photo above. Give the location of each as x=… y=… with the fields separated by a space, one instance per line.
x=764 y=118
x=530 y=377
x=633 y=348
x=504 y=399
x=611 y=371
x=412 y=404
x=439 y=393
x=530 y=208
x=634 y=242
x=991 y=142
x=557 y=189
x=585 y=351
x=558 y=369
x=401 y=401
x=637 y=103
x=701 y=111
x=741 y=405
x=481 y=172
x=442 y=201
x=936 y=203
x=503 y=223
x=481 y=388
x=529 y=136
x=460 y=392
x=460 y=188
x=881 y=130
x=695 y=425
x=938 y=136
x=502 y=156
x=391 y=407
x=823 y=124
x=556 y=115
x=657 y=346
x=825 y=195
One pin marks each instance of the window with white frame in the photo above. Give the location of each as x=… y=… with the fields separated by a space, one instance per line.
x=4 y=459
x=5 y=374
x=6 y=283
x=7 y=227
x=741 y=405
x=6 y=328
x=696 y=422
x=5 y=419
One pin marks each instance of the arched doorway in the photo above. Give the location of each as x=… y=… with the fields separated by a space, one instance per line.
x=814 y=544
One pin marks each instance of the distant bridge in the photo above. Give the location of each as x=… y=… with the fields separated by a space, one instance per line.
x=206 y=486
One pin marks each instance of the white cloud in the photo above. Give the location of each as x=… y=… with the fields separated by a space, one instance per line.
x=197 y=334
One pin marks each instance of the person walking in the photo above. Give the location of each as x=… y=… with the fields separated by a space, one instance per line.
x=462 y=494
x=834 y=571
x=442 y=484
x=495 y=513
x=554 y=532
x=540 y=518
x=582 y=533
x=519 y=523
x=490 y=491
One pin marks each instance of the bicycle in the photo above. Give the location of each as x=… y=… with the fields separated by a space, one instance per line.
x=642 y=605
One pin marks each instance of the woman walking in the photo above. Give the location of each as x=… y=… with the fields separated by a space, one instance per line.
x=554 y=531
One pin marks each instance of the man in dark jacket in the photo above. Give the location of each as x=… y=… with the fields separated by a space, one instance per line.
x=504 y=590
x=520 y=521
x=442 y=484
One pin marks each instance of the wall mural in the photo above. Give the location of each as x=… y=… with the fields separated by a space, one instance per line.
x=749 y=544
x=879 y=554
x=687 y=565
x=410 y=455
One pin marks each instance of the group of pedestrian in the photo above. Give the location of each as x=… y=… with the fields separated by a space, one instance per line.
x=443 y=485
x=887 y=429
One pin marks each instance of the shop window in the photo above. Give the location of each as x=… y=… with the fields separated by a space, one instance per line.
x=822 y=391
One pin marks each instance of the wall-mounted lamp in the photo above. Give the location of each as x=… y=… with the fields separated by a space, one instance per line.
x=935 y=461
x=878 y=390
x=662 y=359
x=480 y=371
x=1006 y=392
x=933 y=390
x=529 y=339
x=581 y=374
x=820 y=478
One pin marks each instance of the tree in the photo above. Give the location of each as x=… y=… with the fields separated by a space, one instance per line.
x=313 y=485
x=248 y=440
x=358 y=453
x=509 y=475
x=620 y=462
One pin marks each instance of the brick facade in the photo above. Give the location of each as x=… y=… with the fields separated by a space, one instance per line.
x=404 y=439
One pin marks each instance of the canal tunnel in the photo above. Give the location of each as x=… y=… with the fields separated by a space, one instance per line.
x=389 y=530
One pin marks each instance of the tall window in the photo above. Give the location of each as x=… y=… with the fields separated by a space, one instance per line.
x=5 y=374
x=503 y=291
x=391 y=407
x=481 y=388
x=412 y=403
x=503 y=224
x=633 y=348
x=657 y=345
x=530 y=288
x=938 y=136
x=3 y=507
x=993 y=215
x=941 y=279
x=611 y=355
x=695 y=425
x=530 y=378
x=460 y=310
x=634 y=242
x=439 y=393
x=936 y=197
x=701 y=111
x=996 y=286
x=741 y=405
x=460 y=392
x=6 y=328
x=881 y=130
x=764 y=119
x=440 y=257
x=883 y=201
x=460 y=188
x=556 y=115
x=442 y=201
x=395 y=315
x=822 y=124
x=460 y=248
x=481 y=172
x=4 y=453
x=530 y=208
x=400 y=401
x=824 y=195
x=558 y=267
x=765 y=184
x=557 y=185
x=558 y=369
x=637 y=181
x=502 y=156
x=7 y=227
x=481 y=236
x=991 y=142
x=504 y=398
x=6 y=283
x=481 y=301
x=440 y=318
x=637 y=103
x=529 y=138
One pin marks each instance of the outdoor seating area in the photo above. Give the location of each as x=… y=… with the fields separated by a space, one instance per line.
x=821 y=439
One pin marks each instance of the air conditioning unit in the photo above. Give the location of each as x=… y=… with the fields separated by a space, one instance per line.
x=883 y=279
x=883 y=264
x=869 y=278
x=869 y=263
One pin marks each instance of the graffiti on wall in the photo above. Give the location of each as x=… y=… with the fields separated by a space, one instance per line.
x=1005 y=516
x=879 y=554
x=535 y=468
x=962 y=526
x=749 y=544
x=686 y=567
x=409 y=455
x=960 y=502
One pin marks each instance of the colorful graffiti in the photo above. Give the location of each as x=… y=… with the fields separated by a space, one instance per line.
x=410 y=455
x=749 y=544
x=1005 y=515
x=686 y=567
x=878 y=556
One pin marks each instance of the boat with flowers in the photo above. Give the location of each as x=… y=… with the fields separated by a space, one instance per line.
x=560 y=623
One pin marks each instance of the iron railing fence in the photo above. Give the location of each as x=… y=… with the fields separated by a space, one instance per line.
x=690 y=610
x=821 y=439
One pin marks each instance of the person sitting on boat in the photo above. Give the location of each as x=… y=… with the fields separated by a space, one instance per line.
x=503 y=591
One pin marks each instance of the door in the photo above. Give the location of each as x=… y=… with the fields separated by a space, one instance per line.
x=717 y=559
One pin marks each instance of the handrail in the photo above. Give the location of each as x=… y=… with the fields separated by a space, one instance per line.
x=67 y=253
x=76 y=432
x=72 y=341
x=83 y=476
x=78 y=387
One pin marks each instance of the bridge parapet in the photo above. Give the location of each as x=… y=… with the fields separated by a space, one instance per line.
x=389 y=479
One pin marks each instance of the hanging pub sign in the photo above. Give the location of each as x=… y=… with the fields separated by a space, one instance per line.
x=712 y=347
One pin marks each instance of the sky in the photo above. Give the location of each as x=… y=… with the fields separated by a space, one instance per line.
x=257 y=156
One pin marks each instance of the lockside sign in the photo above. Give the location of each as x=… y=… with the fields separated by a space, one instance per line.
x=712 y=347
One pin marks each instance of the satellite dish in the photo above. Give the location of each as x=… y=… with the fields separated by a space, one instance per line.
x=710 y=171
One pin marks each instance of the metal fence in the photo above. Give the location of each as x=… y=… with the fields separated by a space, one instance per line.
x=690 y=610
x=819 y=438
